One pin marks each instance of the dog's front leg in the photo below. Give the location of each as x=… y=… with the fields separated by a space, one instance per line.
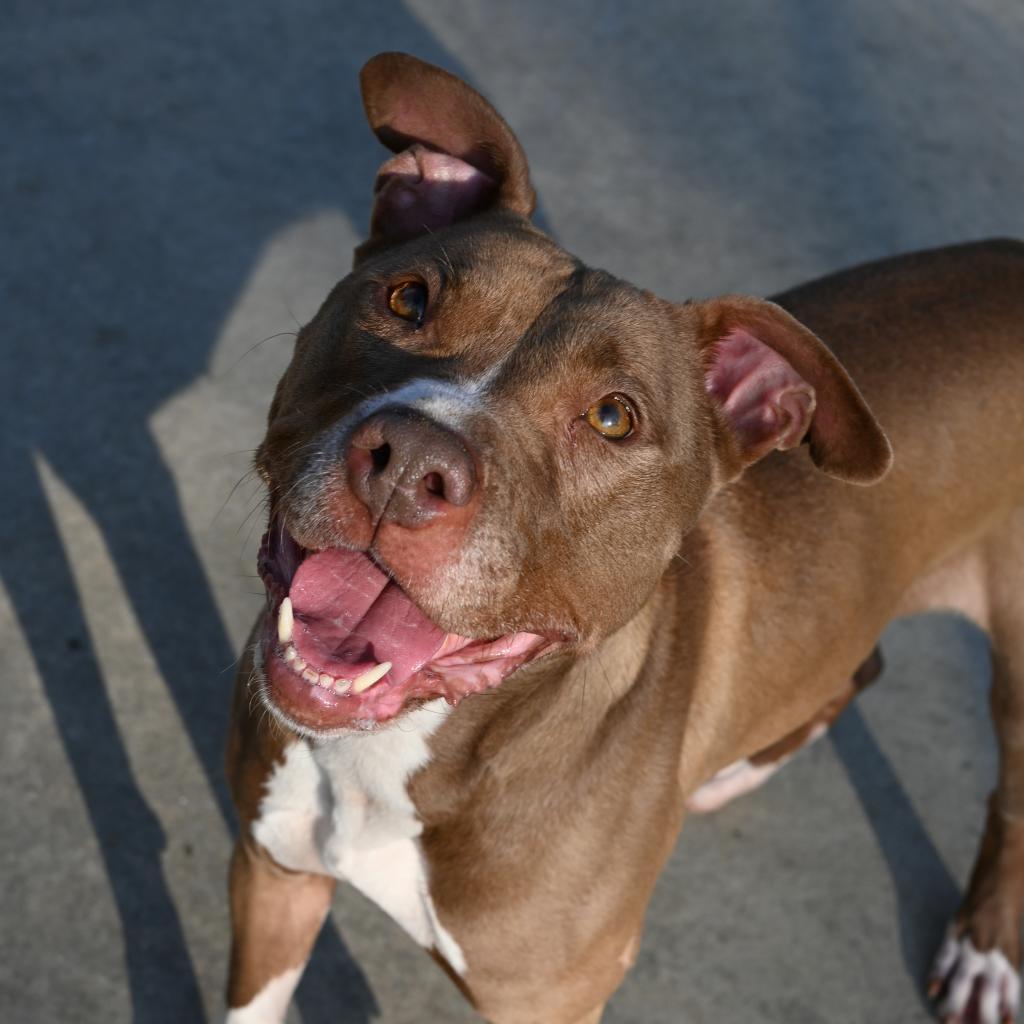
x=976 y=976
x=276 y=915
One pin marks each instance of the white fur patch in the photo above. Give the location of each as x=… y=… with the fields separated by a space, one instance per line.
x=340 y=807
x=270 y=1004
x=443 y=401
x=291 y=822
x=741 y=777
x=736 y=779
x=959 y=967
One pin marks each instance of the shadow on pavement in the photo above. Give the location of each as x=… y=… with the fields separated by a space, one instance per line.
x=160 y=150
x=926 y=892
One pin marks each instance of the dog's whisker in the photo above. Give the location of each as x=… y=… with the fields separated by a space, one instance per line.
x=252 y=348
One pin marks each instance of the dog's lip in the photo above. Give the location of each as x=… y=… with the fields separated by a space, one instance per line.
x=277 y=584
x=316 y=707
x=312 y=709
x=321 y=689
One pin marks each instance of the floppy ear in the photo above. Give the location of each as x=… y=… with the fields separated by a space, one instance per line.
x=774 y=385
x=455 y=154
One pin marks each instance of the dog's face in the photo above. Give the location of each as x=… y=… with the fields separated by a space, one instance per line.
x=483 y=450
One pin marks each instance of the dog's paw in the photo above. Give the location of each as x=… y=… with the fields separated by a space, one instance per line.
x=970 y=987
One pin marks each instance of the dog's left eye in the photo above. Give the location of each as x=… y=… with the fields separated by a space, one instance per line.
x=409 y=301
x=611 y=417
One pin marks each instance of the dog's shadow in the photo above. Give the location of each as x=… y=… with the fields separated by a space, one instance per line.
x=925 y=890
x=927 y=893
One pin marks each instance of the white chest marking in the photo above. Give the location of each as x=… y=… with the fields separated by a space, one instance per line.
x=341 y=808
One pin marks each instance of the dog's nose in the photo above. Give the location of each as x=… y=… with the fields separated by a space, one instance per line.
x=408 y=469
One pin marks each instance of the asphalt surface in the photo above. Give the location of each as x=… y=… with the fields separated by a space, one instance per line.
x=182 y=183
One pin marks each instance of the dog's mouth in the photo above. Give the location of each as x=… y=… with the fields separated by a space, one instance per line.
x=345 y=647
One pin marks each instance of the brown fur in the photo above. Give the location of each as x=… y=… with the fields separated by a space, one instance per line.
x=706 y=620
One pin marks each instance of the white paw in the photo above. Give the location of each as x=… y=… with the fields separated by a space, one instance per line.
x=973 y=987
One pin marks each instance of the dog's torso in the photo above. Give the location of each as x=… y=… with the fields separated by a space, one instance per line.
x=485 y=808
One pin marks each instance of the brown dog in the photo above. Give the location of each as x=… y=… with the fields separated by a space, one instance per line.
x=637 y=535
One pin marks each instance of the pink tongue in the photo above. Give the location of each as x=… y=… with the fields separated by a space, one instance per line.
x=349 y=617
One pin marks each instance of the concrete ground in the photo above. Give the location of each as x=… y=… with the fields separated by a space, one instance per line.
x=182 y=183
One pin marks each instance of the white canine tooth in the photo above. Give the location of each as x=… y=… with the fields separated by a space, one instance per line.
x=371 y=676
x=285 y=622
x=341 y=685
x=311 y=675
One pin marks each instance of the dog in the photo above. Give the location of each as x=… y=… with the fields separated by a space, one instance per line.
x=550 y=560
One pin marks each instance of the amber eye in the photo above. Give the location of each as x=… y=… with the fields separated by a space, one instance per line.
x=611 y=417
x=409 y=301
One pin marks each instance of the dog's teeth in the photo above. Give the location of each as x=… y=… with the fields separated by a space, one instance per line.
x=327 y=681
x=341 y=685
x=371 y=676
x=285 y=622
x=291 y=655
x=311 y=676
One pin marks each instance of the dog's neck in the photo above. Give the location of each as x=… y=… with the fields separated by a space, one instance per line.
x=556 y=716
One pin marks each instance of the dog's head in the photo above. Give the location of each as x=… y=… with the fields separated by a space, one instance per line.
x=484 y=450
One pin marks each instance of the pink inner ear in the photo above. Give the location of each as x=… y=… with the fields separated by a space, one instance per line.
x=421 y=190
x=765 y=401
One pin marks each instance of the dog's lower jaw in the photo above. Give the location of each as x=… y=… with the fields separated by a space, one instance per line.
x=310 y=708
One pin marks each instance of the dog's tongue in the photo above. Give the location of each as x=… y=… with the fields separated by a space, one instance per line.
x=349 y=617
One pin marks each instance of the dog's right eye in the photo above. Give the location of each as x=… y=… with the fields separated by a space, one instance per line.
x=409 y=301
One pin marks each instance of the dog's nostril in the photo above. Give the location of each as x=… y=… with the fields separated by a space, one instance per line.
x=434 y=484
x=380 y=456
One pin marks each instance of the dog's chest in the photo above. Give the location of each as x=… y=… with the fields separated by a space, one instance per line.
x=342 y=808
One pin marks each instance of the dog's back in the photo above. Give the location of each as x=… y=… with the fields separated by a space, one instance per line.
x=935 y=341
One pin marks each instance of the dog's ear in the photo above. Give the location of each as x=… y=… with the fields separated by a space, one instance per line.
x=774 y=385
x=455 y=154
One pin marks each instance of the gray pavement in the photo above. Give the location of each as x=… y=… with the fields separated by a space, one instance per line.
x=180 y=183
